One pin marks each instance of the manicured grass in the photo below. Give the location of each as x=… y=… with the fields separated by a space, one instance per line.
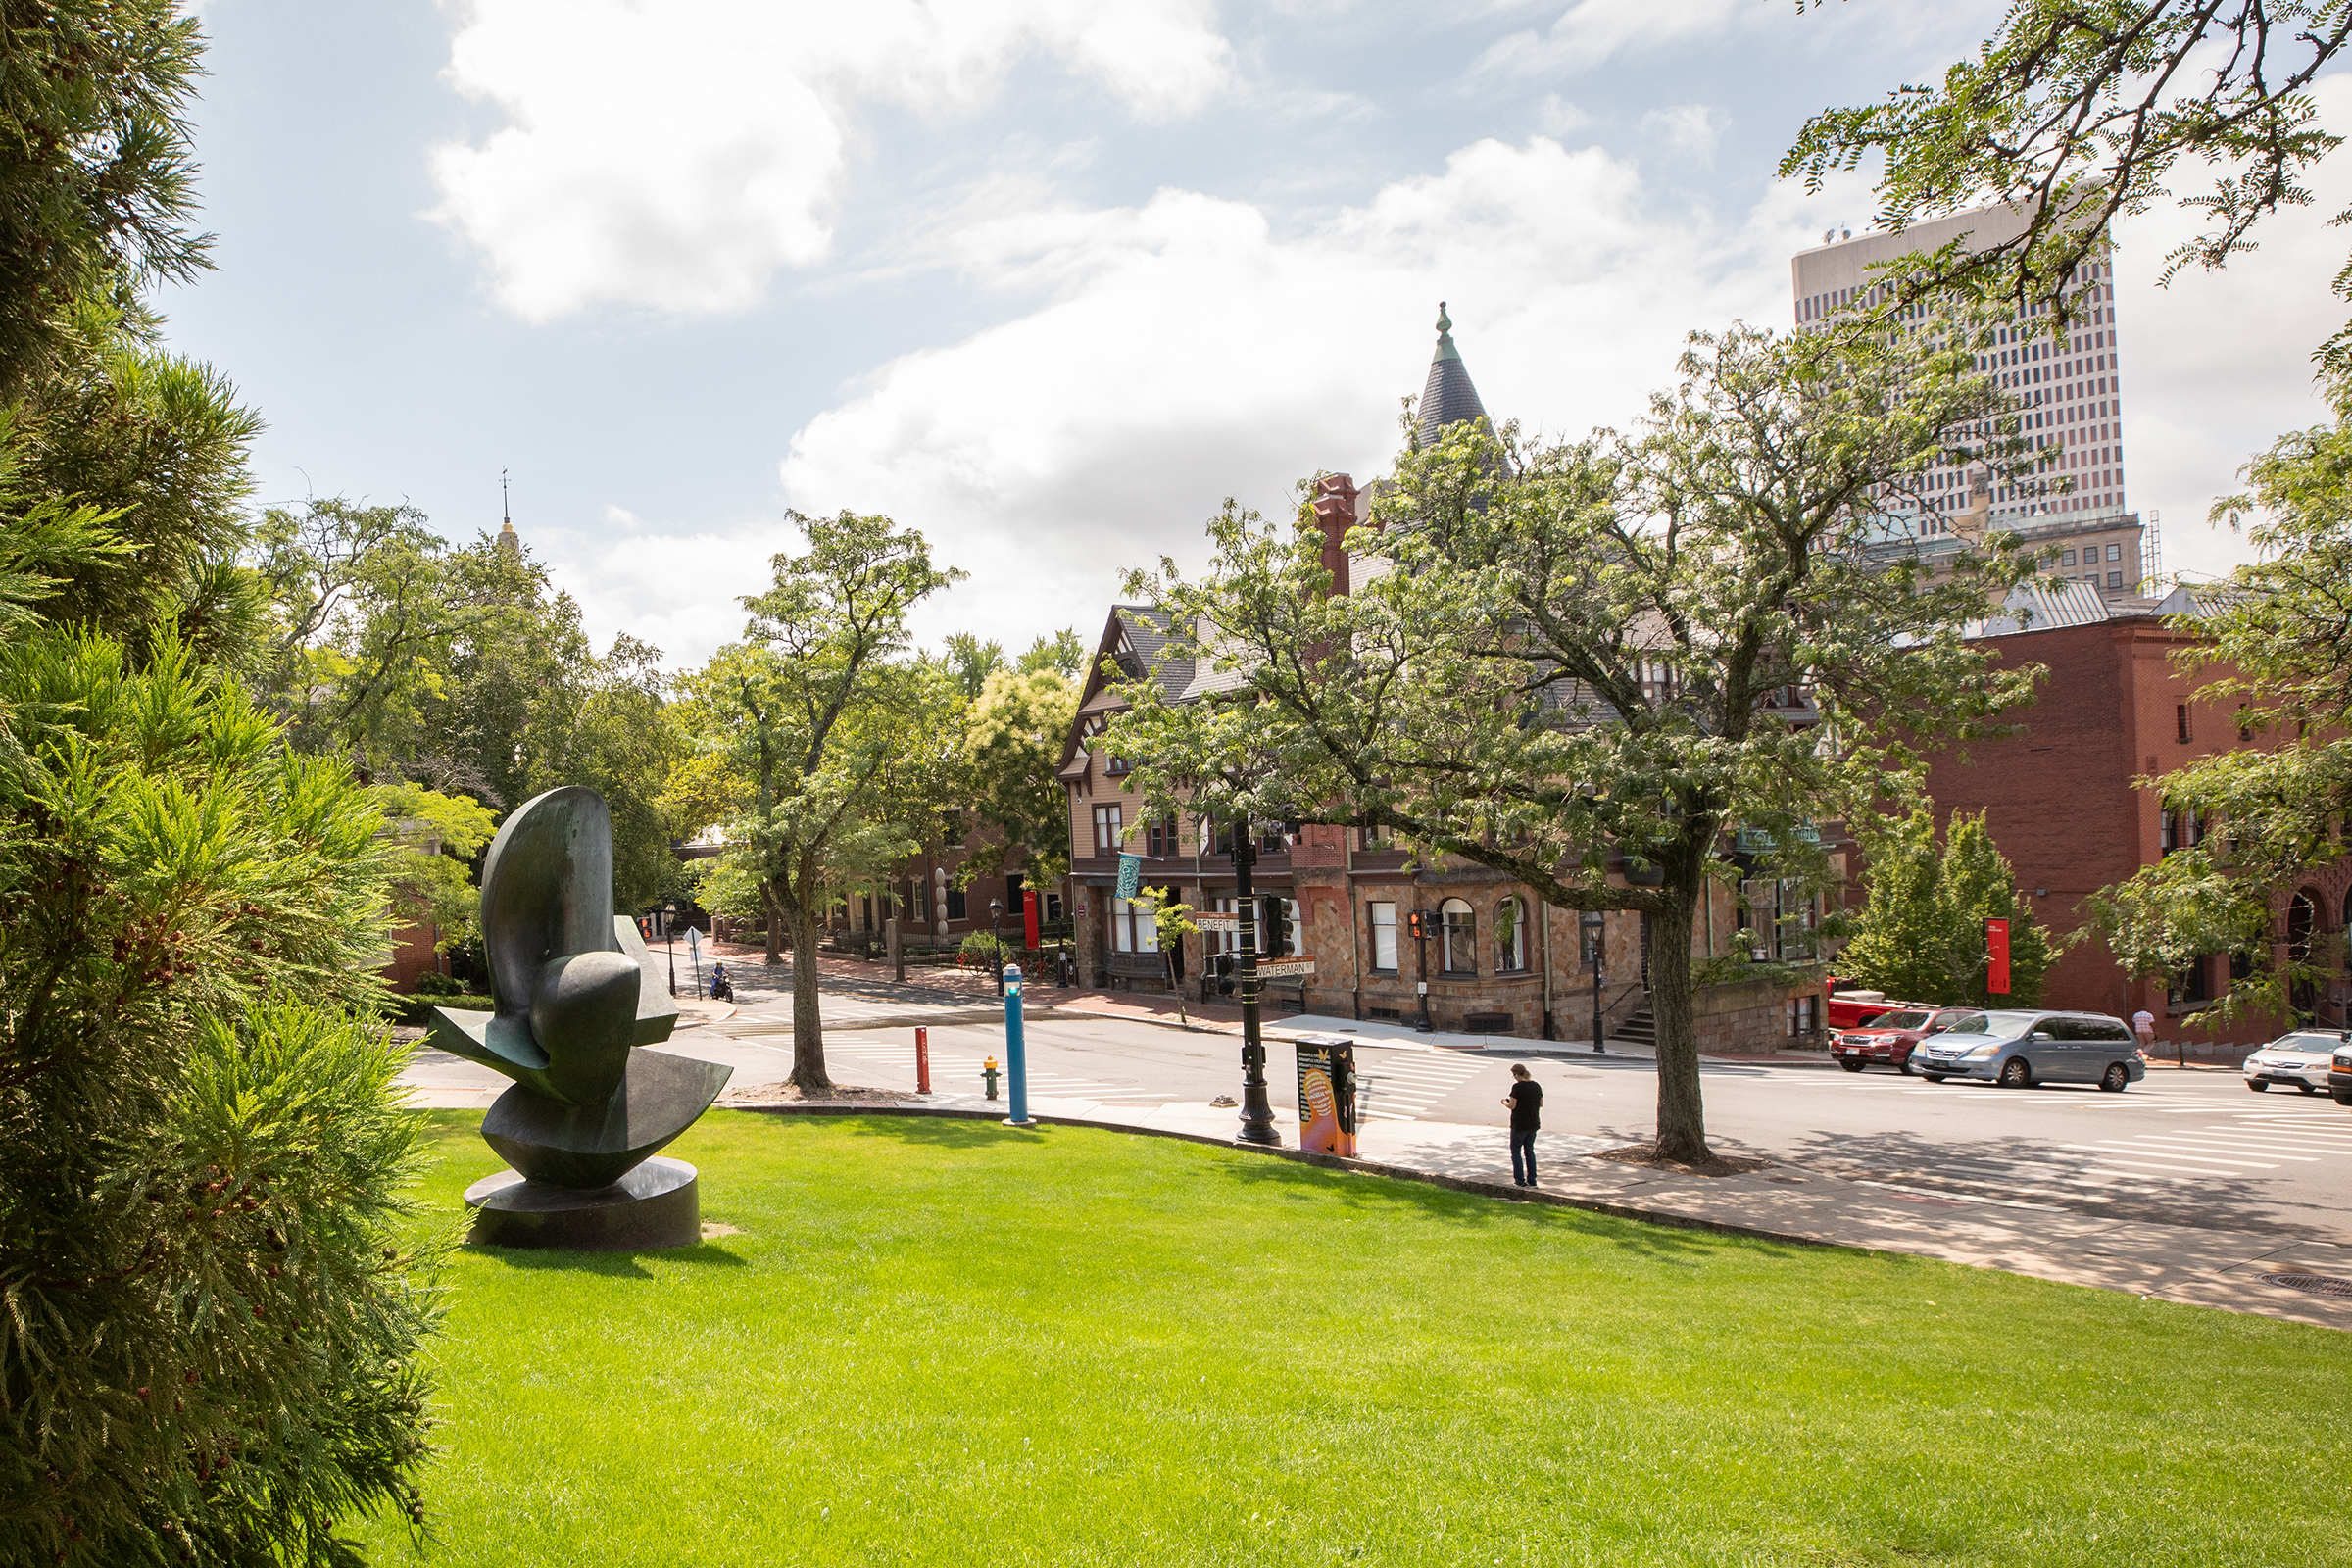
x=940 y=1342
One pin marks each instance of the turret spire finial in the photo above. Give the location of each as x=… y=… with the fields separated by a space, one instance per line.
x=1445 y=321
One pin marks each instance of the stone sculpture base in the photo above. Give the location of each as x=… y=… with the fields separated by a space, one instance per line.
x=656 y=1205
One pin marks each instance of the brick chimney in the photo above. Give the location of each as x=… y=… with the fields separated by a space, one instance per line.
x=1334 y=512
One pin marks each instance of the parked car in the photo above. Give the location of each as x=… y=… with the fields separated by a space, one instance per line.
x=2340 y=1074
x=2300 y=1060
x=2018 y=1050
x=1890 y=1035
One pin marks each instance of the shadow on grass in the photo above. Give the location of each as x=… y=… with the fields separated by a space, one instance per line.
x=608 y=1265
x=942 y=1132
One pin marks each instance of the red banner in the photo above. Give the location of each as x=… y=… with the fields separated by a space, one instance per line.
x=1996 y=955
x=1029 y=919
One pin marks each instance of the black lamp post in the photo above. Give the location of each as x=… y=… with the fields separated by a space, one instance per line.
x=996 y=929
x=1595 y=926
x=1257 y=1112
x=669 y=935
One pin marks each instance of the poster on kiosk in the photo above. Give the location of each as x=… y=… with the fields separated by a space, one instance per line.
x=1327 y=1095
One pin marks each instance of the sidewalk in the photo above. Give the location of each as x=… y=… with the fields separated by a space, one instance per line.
x=1781 y=1203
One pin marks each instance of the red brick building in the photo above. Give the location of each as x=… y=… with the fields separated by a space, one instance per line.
x=2062 y=803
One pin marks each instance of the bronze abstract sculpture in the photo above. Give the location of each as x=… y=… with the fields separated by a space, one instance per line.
x=578 y=996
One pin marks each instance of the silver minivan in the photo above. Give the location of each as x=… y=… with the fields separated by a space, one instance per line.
x=2018 y=1050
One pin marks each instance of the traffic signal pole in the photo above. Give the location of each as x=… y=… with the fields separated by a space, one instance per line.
x=1257 y=1113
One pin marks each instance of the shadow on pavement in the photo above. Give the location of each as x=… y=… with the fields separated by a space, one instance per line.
x=608 y=1265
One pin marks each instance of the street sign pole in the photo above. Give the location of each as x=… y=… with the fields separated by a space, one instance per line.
x=1257 y=1110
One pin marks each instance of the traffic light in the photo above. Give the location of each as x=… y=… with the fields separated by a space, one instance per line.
x=1221 y=966
x=1416 y=925
x=1277 y=928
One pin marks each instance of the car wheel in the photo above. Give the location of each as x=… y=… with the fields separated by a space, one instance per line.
x=2016 y=1074
x=1933 y=1077
x=1905 y=1068
x=2308 y=1088
x=2115 y=1078
x=2340 y=1099
x=2257 y=1085
x=1849 y=1065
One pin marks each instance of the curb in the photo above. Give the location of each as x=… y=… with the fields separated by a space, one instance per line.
x=1364 y=1167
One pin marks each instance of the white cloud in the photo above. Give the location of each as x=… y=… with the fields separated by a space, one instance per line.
x=1555 y=115
x=1189 y=354
x=1688 y=128
x=1589 y=32
x=674 y=154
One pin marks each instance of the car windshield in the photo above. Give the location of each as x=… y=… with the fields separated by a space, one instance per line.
x=1898 y=1020
x=2316 y=1043
x=1989 y=1023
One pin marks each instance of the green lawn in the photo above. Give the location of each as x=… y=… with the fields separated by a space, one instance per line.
x=941 y=1341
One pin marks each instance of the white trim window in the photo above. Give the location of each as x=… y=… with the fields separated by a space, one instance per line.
x=1457 y=927
x=1384 y=936
x=1107 y=829
x=1134 y=928
x=1510 y=936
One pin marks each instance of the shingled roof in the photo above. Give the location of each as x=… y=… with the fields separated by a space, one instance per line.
x=1447 y=398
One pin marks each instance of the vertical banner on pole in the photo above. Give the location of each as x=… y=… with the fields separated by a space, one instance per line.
x=1997 y=958
x=1131 y=874
x=1029 y=942
x=1327 y=1095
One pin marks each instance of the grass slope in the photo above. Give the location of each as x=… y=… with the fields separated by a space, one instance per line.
x=937 y=1341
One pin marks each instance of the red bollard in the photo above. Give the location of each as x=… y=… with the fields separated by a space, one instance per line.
x=922 y=1061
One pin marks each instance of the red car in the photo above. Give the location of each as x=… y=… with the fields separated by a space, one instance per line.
x=1889 y=1037
x=1851 y=1009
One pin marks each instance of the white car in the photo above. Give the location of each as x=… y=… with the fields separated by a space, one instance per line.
x=2299 y=1060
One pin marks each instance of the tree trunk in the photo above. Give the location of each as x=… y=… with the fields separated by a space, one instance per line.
x=776 y=924
x=809 y=1073
x=1682 y=1116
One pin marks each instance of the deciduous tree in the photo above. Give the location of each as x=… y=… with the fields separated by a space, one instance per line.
x=1597 y=656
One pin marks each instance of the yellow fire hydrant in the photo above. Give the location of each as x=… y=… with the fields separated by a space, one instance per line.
x=988 y=1071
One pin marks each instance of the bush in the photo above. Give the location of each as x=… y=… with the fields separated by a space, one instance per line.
x=417 y=1011
x=439 y=985
x=982 y=946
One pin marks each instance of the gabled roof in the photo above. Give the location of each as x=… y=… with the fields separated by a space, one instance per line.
x=2033 y=607
x=1447 y=398
x=1134 y=641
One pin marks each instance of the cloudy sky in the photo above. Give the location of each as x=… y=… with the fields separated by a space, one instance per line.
x=1047 y=278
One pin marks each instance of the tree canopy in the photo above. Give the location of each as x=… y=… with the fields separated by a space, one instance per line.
x=1587 y=657
x=1920 y=937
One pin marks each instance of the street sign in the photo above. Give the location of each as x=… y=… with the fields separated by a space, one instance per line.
x=1217 y=922
x=1283 y=967
x=694 y=944
x=1131 y=874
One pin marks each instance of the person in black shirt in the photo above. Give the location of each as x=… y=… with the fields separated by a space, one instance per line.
x=1526 y=1101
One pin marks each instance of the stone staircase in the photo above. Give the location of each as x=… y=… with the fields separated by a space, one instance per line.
x=1639 y=1030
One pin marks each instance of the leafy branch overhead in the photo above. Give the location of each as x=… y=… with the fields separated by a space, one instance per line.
x=2082 y=111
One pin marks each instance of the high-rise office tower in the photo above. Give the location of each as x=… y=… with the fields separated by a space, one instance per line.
x=2069 y=404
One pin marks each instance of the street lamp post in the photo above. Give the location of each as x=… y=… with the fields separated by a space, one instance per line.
x=669 y=935
x=1257 y=1113
x=996 y=931
x=1595 y=926
x=1421 y=966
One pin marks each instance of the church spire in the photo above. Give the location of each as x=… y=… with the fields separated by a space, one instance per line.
x=508 y=538
x=1448 y=398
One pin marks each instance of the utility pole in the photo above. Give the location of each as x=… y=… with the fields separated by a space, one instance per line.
x=1257 y=1113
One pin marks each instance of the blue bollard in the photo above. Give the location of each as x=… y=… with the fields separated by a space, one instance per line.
x=1016 y=1056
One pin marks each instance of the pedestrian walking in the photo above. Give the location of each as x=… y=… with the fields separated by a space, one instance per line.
x=2143 y=1025
x=1526 y=1102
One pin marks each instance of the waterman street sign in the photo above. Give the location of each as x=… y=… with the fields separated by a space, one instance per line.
x=1284 y=966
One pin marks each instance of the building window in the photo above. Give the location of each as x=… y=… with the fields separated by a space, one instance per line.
x=914 y=902
x=1374 y=837
x=2191 y=983
x=2180 y=718
x=1510 y=936
x=1133 y=928
x=1776 y=921
x=1160 y=838
x=1219 y=834
x=2070 y=559
x=1384 y=936
x=2178 y=830
x=1803 y=1014
x=1271 y=840
x=955 y=904
x=1116 y=765
x=2115 y=579
x=1459 y=928
x=1108 y=823
x=2115 y=551
x=1052 y=905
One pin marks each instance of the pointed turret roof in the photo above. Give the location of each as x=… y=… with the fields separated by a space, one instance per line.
x=1449 y=397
